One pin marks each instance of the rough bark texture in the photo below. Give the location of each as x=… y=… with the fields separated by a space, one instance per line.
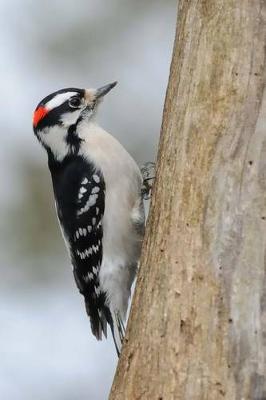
x=197 y=328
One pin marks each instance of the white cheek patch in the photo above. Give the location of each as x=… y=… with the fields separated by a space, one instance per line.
x=70 y=118
x=55 y=138
x=58 y=100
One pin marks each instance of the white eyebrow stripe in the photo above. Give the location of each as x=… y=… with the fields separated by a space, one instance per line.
x=59 y=99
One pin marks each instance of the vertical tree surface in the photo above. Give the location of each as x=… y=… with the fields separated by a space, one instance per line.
x=197 y=328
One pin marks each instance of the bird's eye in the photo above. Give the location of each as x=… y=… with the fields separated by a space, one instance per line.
x=74 y=102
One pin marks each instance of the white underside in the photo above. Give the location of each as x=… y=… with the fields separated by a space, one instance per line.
x=123 y=209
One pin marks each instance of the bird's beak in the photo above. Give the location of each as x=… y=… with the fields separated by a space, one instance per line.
x=102 y=91
x=95 y=94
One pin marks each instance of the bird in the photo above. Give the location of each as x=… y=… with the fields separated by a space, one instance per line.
x=97 y=187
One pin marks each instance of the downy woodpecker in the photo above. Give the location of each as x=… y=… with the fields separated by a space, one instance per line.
x=97 y=188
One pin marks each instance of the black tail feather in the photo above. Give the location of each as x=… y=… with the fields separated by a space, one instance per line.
x=100 y=317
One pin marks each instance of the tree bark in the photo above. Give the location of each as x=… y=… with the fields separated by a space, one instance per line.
x=197 y=328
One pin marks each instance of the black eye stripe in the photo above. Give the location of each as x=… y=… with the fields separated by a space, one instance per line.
x=54 y=116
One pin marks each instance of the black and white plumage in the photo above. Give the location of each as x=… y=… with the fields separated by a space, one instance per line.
x=97 y=187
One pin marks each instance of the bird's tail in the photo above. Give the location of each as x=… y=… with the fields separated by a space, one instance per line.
x=98 y=320
x=100 y=317
x=117 y=328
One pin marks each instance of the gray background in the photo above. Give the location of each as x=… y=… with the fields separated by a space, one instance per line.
x=46 y=348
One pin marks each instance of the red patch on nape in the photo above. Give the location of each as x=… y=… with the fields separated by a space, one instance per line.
x=38 y=115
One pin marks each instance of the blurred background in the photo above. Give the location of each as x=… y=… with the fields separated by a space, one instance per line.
x=46 y=348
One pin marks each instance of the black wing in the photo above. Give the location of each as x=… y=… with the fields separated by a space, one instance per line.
x=80 y=199
x=86 y=248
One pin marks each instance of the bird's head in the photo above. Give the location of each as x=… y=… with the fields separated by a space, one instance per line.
x=57 y=116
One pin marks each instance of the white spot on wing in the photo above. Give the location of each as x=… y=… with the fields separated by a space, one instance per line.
x=95 y=248
x=85 y=181
x=96 y=178
x=90 y=203
x=82 y=190
x=97 y=290
x=88 y=277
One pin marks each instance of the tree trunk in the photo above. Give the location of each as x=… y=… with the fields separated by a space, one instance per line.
x=197 y=328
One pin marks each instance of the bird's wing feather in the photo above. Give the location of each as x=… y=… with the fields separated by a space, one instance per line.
x=84 y=232
x=80 y=203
